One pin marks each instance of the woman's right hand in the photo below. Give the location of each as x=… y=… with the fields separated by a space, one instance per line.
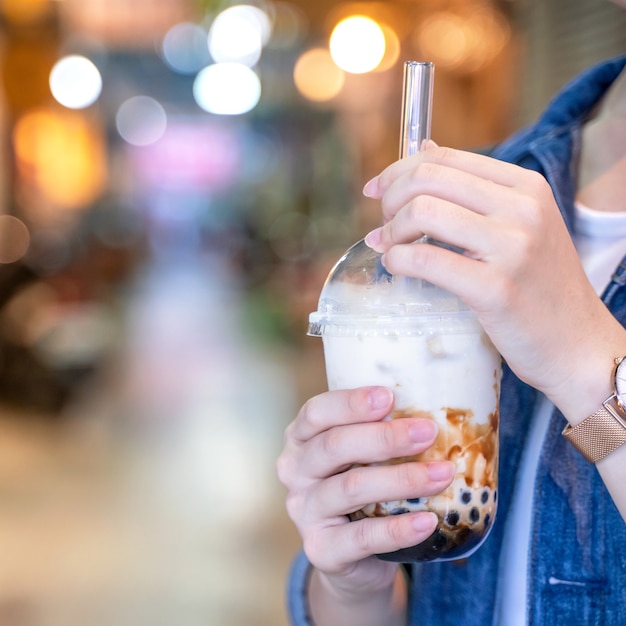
x=323 y=466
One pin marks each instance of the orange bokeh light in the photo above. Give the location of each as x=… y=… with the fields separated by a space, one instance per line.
x=461 y=40
x=62 y=155
x=24 y=11
x=317 y=77
x=392 y=48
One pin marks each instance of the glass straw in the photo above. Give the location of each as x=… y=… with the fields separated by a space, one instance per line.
x=415 y=122
x=417 y=102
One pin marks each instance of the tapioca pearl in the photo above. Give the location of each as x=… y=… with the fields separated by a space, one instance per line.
x=495 y=496
x=474 y=515
x=484 y=496
x=487 y=520
x=452 y=518
x=439 y=541
x=465 y=496
x=399 y=510
x=414 y=500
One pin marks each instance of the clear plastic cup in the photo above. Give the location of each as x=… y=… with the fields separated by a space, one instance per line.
x=428 y=348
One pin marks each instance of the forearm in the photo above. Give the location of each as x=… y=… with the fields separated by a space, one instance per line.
x=329 y=608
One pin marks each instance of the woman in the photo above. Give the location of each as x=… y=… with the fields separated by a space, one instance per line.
x=543 y=223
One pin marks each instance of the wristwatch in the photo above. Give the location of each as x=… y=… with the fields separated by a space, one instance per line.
x=603 y=432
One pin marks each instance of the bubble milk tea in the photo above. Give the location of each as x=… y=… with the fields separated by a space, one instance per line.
x=440 y=365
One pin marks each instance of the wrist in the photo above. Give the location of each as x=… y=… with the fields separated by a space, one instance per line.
x=590 y=381
x=332 y=601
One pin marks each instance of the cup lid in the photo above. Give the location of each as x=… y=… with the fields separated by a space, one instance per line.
x=359 y=295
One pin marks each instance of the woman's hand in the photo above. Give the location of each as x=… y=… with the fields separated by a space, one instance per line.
x=520 y=272
x=321 y=466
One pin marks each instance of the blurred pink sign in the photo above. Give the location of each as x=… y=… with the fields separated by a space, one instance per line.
x=203 y=157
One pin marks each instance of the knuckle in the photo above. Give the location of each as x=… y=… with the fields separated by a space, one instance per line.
x=388 y=207
x=425 y=257
x=356 y=401
x=537 y=182
x=385 y=179
x=394 y=530
x=415 y=209
x=533 y=212
x=332 y=444
x=425 y=171
x=424 y=210
x=307 y=413
x=445 y=153
x=387 y=438
x=362 y=536
x=425 y=205
x=294 y=505
x=351 y=484
x=411 y=480
x=315 y=550
x=284 y=468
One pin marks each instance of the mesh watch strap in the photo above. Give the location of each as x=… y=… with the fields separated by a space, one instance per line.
x=599 y=434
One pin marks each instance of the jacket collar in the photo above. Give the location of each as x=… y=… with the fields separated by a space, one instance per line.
x=552 y=145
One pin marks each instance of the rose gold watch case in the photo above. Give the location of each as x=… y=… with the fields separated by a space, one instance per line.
x=619 y=384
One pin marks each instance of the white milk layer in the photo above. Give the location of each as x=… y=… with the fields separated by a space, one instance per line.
x=431 y=371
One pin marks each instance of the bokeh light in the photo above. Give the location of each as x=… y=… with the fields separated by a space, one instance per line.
x=24 y=11
x=75 y=82
x=238 y=34
x=185 y=48
x=14 y=239
x=317 y=77
x=141 y=120
x=443 y=36
x=392 y=49
x=61 y=154
x=288 y=25
x=357 y=44
x=462 y=41
x=227 y=89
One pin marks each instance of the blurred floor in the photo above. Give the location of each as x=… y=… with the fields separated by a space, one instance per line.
x=154 y=501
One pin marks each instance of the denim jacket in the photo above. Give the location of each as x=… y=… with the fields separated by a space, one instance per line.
x=577 y=556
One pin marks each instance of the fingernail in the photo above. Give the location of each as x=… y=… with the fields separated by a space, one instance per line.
x=422 y=430
x=429 y=145
x=371 y=187
x=440 y=471
x=380 y=398
x=424 y=521
x=374 y=238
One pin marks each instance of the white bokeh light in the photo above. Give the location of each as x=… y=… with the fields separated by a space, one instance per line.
x=238 y=34
x=185 y=48
x=227 y=89
x=357 y=44
x=75 y=82
x=258 y=17
x=141 y=121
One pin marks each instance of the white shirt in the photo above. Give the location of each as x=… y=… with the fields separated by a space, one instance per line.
x=600 y=240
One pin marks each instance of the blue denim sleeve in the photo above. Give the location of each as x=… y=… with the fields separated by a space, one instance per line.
x=297 y=601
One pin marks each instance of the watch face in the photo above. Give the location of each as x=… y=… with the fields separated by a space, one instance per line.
x=620 y=383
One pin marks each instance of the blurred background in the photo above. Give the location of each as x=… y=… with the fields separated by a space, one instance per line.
x=177 y=177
